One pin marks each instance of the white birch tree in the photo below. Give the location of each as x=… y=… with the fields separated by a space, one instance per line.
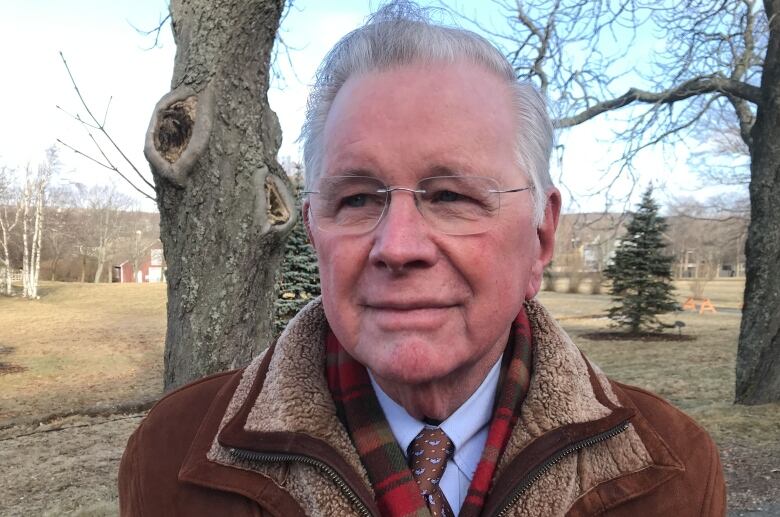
x=10 y=209
x=33 y=202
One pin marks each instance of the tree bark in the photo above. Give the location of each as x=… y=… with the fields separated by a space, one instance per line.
x=83 y=267
x=225 y=204
x=758 y=355
x=101 y=259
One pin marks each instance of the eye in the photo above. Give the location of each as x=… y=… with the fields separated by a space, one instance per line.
x=447 y=196
x=355 y=201
x=361 y=200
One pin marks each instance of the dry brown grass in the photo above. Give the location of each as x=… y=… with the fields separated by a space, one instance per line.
x=697 y=376
x=722 y=292
x=82 y=345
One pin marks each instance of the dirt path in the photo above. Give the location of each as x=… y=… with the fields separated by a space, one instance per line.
x=753 y=479
x=71 y=471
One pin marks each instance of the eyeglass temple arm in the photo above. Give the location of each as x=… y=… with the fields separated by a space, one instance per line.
x=510 y=190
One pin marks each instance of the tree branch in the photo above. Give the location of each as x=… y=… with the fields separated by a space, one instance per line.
x=110 y=166
x=688 y=89
x=96 y=124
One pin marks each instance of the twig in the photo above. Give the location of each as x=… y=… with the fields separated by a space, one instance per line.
x=101 y=127
x=109 y=167
x=156 y=31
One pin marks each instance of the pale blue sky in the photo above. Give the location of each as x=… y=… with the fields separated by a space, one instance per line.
x=109 y=58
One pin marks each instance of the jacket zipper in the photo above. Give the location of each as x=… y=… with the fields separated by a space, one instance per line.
x=533 y=476
x=362 y=509
x=326 y=469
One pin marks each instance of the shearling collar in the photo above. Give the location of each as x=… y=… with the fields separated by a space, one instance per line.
x=283 y=404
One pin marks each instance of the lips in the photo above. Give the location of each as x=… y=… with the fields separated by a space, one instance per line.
x=406 y=305
x=405 y=316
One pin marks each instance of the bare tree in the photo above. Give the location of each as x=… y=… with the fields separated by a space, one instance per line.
x=105 y=207
x=699 y=56
x=10 y=210
x=33 y=203
x=59 y=233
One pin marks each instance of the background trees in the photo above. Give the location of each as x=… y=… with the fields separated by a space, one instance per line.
x=299 y=279
x=105 y=207
x=641 y=271
x=33 y=201
x=705 y=61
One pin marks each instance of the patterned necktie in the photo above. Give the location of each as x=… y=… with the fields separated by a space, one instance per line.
x=428 y=455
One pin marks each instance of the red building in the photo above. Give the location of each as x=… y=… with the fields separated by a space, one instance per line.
x=151 y=267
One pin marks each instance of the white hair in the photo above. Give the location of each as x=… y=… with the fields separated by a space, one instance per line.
x=402 y=33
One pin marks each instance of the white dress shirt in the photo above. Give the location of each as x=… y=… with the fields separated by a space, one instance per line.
x=467 y=427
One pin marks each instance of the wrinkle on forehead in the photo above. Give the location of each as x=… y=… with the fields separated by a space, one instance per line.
x=422 y=116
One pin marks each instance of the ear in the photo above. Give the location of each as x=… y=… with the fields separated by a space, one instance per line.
x=545 y=233
x=306 y=215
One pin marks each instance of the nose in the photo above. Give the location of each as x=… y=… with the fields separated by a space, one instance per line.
x=402 y=240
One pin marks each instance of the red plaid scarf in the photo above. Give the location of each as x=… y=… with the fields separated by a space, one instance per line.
x=397 y=494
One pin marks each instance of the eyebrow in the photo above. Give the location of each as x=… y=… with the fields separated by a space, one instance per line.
x=435 y=170
x=354 y=171
x=446 y=170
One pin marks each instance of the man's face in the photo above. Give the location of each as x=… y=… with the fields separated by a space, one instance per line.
x=410 y=303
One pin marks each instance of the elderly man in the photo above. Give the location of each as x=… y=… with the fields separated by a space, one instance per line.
x=426 y=379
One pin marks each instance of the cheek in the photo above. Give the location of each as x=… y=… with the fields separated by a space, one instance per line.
x=341 y=265
x=503 y=264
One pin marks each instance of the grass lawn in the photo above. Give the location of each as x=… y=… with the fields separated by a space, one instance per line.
x=697 y=376
x=723 y=292
x=81 y=346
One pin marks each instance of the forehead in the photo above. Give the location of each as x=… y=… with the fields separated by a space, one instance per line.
x=421 y=119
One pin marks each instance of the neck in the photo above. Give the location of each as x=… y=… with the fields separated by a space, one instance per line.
x=437 y=399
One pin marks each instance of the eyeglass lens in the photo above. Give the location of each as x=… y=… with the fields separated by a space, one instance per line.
x=456 y=205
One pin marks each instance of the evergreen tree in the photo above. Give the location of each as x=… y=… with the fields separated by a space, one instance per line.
x=298 y=281
x=641 y=273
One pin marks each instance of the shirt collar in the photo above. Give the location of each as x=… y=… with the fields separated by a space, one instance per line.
x=462 y=426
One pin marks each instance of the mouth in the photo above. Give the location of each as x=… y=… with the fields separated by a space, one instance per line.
x=406 y=306
x=409 y=316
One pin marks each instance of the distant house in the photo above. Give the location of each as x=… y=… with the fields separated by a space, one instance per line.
x=586 y=242
x=149 y=266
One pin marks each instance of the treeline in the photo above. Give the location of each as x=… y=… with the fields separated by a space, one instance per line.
x=52 y=229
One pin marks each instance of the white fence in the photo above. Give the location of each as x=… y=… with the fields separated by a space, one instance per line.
x=16 y=275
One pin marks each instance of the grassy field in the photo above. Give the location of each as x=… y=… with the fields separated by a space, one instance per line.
x=83 y=346
x=697 y=376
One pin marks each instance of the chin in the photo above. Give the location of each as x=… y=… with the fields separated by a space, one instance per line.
x=412 y=364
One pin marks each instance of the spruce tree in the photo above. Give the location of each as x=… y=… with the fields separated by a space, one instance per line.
x=641 y=273
x=298 y=281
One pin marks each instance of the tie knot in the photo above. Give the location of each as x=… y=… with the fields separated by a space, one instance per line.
x=428 y=455
x=433 y=445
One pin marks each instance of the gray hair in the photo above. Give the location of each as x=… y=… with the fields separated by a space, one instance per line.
x=402 y=33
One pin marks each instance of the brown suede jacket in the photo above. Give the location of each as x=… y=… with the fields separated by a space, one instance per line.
x=266 y=441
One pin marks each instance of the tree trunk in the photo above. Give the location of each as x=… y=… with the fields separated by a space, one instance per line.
x=758 y=354
x=54 y=263
x=83 y=268
x=7 y=265
x=101 y=258
x=225 y=204
x=37 y=241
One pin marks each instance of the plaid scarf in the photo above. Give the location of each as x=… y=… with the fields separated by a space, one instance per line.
x=396 y=492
